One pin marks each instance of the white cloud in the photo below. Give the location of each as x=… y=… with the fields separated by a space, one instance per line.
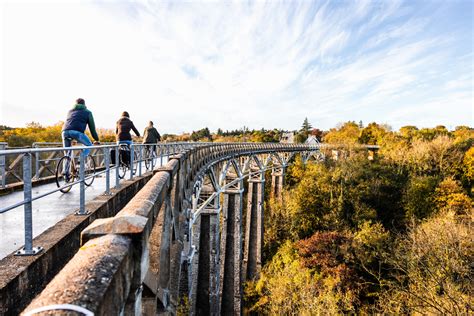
x=187 y=65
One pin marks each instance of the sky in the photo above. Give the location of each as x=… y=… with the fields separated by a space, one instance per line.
x=259 y=64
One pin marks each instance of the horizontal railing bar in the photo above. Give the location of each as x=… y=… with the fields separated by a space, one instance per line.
x=166 y=145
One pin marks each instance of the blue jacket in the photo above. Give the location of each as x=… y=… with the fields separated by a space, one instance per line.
x=77 y=120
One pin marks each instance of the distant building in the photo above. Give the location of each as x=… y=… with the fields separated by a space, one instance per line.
x=287 y=138
x=312 y=140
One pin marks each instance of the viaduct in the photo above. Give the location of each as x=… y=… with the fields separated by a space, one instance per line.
x=183 y=243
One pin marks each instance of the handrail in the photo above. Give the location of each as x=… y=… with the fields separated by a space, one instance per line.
x=25 y=155
x=199 y=159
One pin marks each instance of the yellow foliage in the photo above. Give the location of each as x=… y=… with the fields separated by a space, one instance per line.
x=288 y=288
x=347 y=134
x=33 y=132
x=368 y=242
x=433 y=265
x=450 y=195
x=468 y=162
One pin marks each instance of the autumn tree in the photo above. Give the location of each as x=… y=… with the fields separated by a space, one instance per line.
x=373 y=134
x=347 y=134
x=431 y=269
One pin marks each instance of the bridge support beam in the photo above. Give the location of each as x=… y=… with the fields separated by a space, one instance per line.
x=278 y=181
x=207 y=276
x=254 y=229
x=231 y=254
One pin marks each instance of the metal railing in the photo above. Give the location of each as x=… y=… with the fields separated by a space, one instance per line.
x=46 y=157
x=54 y=154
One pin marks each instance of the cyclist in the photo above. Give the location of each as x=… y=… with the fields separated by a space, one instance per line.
x=123 y=136
x=122 y=130
x=76 y=122
x=151 y=135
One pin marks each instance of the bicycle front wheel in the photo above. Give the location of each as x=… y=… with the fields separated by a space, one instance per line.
x=136 y=161
x=89 y=171
x=122 y=169
x=64 y=174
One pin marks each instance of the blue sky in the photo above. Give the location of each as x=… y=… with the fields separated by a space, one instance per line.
x=187 y=65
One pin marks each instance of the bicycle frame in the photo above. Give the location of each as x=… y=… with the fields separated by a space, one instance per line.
x=70 y=153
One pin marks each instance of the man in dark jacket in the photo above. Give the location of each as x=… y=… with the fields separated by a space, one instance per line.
x=122 y=130
x=76 y=122
x=151 y=135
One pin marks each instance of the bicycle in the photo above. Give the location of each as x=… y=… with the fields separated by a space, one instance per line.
x=68 y=172
x=150 y=156
x=124 y=160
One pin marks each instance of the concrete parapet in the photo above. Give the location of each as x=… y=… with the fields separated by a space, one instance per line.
x=101 y=280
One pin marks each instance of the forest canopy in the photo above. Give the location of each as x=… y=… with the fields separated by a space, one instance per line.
x=391 y=235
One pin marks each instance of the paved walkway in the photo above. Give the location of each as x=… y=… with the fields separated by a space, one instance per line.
x=46 y=212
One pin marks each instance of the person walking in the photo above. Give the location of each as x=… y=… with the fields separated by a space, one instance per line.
x=151 y=135
x=78 y=118
x=122 y=130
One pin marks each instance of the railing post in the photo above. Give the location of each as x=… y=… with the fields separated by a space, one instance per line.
x=3 y=146
x=107 y=170
x=153 y=155
x=140 y=160
x=117 y=165
x=131 y=160
x=37 y=163
x=82 y=185
x=28 y=249
x=161 y=156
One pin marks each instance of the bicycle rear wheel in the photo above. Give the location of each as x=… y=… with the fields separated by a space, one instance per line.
x=89 y=170
x=148 y=158
x=64 y=174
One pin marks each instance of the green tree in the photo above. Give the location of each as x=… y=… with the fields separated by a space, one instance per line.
x=408 y=132
x=306 y=126
x=201 y=135
x=372 y=134
x=419 y=196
